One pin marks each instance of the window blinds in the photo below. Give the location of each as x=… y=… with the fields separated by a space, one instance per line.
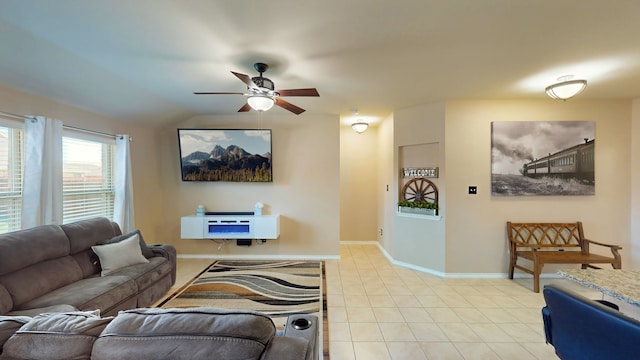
x=11 y=171
x=88 y=188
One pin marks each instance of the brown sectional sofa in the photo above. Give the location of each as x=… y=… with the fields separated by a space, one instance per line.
x=168 y=334
x=51 y=284
x=53 y=268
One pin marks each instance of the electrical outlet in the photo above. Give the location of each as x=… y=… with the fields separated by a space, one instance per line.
x=473 y=190
x=380 y=231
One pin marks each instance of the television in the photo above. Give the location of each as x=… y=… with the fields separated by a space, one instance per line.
x=240 y=155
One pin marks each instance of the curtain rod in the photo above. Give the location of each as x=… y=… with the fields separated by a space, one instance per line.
x=90 y=131
x=23 y=117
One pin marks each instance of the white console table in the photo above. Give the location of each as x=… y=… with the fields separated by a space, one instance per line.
x=262 y=227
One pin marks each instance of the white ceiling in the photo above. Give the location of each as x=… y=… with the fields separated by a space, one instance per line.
x=141 y=60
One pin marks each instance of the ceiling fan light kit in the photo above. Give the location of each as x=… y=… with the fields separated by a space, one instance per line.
x=566 y=88
x=261 y=94
x=260 y=102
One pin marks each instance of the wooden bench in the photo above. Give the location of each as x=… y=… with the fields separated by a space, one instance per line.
x=554 y=243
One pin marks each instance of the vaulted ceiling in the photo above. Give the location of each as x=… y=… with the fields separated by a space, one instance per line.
x=142 y=60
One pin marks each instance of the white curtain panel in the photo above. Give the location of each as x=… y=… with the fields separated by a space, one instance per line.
x=123 y=204
x=42 y=183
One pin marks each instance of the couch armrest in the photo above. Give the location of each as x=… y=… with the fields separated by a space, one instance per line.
x=306 y=327
x=169 y=252
x=286 y=348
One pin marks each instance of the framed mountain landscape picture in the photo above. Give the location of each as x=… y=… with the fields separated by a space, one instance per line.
x=240 y=155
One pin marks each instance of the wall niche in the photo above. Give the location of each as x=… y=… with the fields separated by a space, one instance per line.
x=418 y=180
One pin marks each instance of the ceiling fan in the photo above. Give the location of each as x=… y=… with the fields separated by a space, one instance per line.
x=261 y=94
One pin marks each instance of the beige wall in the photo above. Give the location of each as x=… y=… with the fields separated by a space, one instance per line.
x=475 y=224
x=470 y=237
x=385 y=191
x=358 y=184
x=635 y=183
x=419 y=242
x=305 y=188
x=143 y=149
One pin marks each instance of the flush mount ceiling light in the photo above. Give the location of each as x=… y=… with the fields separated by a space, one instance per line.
x=360 y=126
x=260 y=102
x=566 y=88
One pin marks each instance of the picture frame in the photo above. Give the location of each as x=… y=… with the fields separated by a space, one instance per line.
x=233 y=155
x=542 y=158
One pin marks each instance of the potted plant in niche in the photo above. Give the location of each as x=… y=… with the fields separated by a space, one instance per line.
x=418 y=207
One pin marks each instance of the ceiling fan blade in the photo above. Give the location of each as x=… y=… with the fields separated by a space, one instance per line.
x=299 y=92
x=246 y=79
x=218 y=93
x=245 y=108
x=289 y=106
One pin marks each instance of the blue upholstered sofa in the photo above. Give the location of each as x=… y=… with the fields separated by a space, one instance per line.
x=581 y=328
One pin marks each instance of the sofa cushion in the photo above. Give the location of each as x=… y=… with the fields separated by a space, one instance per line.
x=86 y=233
x=87 y=294
x=118 y=255
x=56 y=336
x=9 y=325
x=146 y=251
x=43 y=310
x=197 y=333
x=154 y=292
x=39 y=279
x=6 y=303
x=146 y=274
x=20 y=249
x=88 y=262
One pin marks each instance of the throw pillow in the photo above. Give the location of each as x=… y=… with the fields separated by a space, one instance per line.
x=146 y=251
x=56 y=336
x=118 y=255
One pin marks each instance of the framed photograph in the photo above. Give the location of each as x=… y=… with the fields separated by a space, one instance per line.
x=225 y=155
x=542 y=158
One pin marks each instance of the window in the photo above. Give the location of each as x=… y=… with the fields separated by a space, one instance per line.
x=11 y=159
x=88 y=188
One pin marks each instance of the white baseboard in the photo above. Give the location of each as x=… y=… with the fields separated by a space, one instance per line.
x=369 y=242
x=443 y=274
x=259 y=257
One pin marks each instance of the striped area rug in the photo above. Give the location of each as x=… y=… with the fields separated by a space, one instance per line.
x=275 y=288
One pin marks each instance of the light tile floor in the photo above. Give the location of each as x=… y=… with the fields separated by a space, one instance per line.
x=378 y=310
